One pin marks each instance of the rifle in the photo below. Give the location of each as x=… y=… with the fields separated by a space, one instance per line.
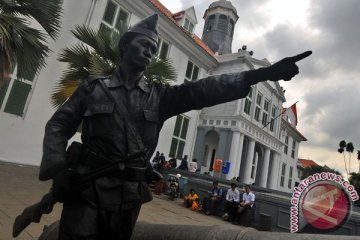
x=34 y=212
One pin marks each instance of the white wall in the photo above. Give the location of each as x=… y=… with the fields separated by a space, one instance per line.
x=21 y=138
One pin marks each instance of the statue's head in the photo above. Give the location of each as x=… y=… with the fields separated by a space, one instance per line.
x=139 y=43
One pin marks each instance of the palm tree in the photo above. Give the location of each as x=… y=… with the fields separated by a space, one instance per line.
x=341 y=150
x=21 y=44
x=97 y=53
x=355 y=181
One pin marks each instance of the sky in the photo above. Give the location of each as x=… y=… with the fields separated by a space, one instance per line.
x=329 y=81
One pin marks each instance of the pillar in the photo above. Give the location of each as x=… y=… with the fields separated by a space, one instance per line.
x=233 y=154
x=239 y=155
x=248 y=163
x=265 y=168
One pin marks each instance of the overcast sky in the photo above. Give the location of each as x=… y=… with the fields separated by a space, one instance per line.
x=328 y=85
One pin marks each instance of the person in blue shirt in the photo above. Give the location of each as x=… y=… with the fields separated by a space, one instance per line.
x=214 y=197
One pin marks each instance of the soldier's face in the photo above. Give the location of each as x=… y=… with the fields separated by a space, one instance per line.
x=140 y=51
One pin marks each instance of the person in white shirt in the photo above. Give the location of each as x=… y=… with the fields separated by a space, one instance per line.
x=248 y=200
x=232 y=202
x=193 y=165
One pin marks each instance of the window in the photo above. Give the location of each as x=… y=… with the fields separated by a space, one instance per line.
x=257 y=114
x=115 y=18
x=272 y=121
x=290 y=177
x=163 y=49
x=248 y=101
x=222 y=23
x=188 y=25
x=179 y=136
x=231 y=28
x=192 y=72
x=293 y=148
x=14 y=95
x=265 y=112
x=258 y=107
x=282 y=179
x=210 y=23
x=259 y=99
x=286 y=144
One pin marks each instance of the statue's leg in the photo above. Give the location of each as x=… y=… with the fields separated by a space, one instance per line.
x=122 y=223
x=78 y=221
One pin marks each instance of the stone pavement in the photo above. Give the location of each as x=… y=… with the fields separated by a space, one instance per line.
x=20 y=187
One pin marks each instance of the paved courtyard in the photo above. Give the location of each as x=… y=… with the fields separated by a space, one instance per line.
x=20 y=187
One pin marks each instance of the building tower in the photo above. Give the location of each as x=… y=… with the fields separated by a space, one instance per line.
x=220 y=19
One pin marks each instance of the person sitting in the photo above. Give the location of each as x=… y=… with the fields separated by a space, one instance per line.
x=191 y=198
x=232 y=202
x=214 y=197
x=248 y=200
x=184 y=164
x=172 y=162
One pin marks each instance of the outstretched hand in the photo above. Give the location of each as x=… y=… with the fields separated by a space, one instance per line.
x=286 y=68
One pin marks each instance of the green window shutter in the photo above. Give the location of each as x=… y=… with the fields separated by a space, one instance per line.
x=173 y=147
x=3 y=90
x=180 y=150
x=178 y=126
x=110 y=12
x=189 y=69
x=17 y=98
x=184 y=128
x=195 y=73
x=121 y=21
x=164 y=50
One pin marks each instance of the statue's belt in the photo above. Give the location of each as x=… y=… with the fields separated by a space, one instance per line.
x=129 y=173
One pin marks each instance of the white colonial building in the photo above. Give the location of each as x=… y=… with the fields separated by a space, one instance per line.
x=261 y=148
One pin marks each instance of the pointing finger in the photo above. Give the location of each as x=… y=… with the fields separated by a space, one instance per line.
x=300 y=56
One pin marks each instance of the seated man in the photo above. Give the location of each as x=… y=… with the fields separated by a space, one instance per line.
x=232 y=202
x=248 y=200
x=172 y=162
x=209 y=202
x=191 y=198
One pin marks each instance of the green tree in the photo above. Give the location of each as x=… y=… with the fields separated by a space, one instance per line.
x=97 y=53
x=308 y=171
x=21 y=44
x=349 y=148
x=355 y=181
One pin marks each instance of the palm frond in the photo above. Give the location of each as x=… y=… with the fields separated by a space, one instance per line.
x=99 y=66
x=62 y=91
x=24 y=44
x=161 y=71
x=47 y=13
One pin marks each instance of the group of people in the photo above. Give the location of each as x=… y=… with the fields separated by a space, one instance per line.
x=159 y=162
x=235 y=206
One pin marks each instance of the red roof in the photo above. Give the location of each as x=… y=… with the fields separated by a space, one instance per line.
x=307 y=163
x=172 y=16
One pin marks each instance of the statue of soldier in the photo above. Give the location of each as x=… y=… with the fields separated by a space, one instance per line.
x=120 y=115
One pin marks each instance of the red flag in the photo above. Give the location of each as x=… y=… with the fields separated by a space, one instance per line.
x=293 y=109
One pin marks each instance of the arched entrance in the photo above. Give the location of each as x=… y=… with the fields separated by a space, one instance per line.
x=211 y=146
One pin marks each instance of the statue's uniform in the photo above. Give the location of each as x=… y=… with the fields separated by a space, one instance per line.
x=111 y=204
